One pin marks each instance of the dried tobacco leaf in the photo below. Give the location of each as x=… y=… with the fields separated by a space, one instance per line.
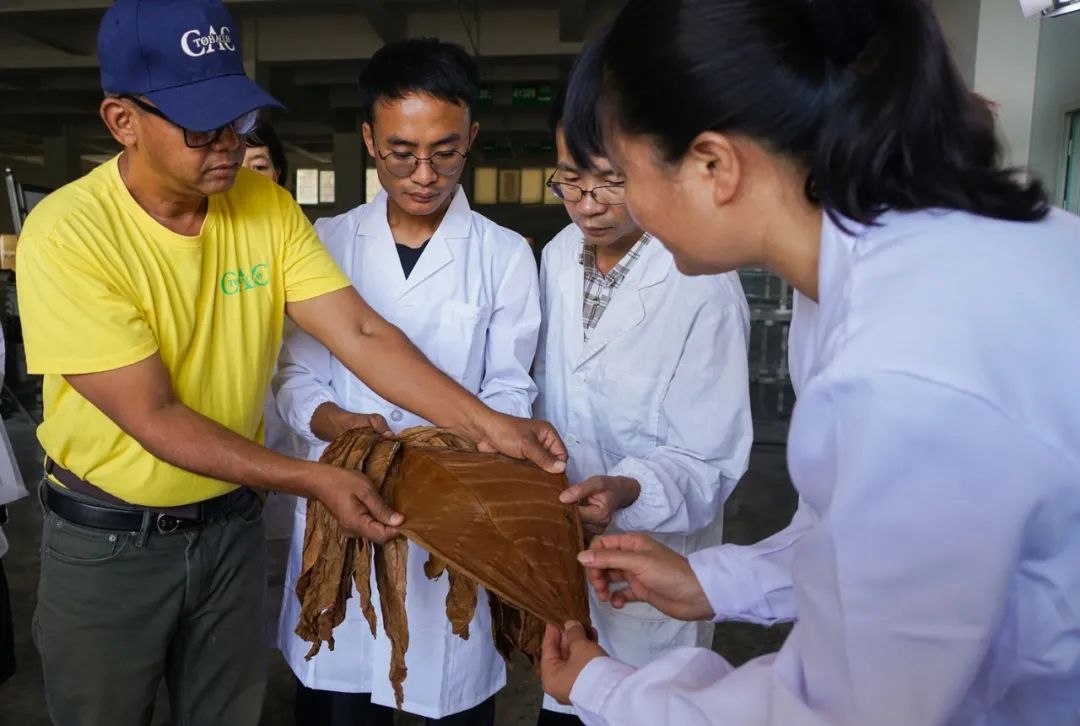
x=461 y=603
x=378 y=463
x=435 y=438
x=362 y=578
x=515 y=629
x=503 y=619
x=530 y=638
x=498 y=521
x=390 y=575
x=434 y=567
x=484 y=518
x=391 y=560
x=460 y=595
x=362 y=556
x=323 y=585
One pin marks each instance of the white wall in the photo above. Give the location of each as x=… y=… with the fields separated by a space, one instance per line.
x=1005 y=65
x=1029 y=67
x=1057 y=91
x=960 y=22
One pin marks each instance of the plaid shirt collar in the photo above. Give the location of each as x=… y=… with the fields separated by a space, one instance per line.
x=618 y=273
x=598 y=288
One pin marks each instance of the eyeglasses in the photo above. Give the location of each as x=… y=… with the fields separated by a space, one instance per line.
x=609 y=195
x=241 y=126
x=404 y=164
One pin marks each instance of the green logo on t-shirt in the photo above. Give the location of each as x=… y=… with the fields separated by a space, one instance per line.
x=235 y=281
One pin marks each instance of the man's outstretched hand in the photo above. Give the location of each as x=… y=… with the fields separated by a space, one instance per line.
x=521 y=438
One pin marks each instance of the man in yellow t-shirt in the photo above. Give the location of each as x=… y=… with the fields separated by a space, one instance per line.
x=153 y=292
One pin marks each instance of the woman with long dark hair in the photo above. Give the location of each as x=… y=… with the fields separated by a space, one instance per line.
x=932 y=567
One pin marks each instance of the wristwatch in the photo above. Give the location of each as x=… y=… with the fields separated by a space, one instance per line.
x=3 y=514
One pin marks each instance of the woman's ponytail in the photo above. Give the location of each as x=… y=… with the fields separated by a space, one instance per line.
x=904 y=131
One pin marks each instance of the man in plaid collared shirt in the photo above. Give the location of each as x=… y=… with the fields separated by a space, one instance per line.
x=644 y=373
x=600 y=287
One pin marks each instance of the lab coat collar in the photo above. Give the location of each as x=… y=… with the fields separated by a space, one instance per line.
x=456 y=224
x=572 y=292
x=817 y=327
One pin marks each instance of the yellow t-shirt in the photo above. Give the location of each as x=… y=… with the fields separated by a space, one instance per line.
x=103 y=285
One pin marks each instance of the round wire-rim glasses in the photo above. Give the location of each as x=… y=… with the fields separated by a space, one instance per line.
x=404 y=164
x=608 y=195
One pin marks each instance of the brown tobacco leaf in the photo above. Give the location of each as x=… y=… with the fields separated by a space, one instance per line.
x=362 y=578
x=461 y=603
x=498 y=521
x=390 y=574
x=434 y=567
x=362 y=568
x=435 y=438
x=391 y=560
x=460 y=595
x=379 y=462
x=328 y=560
x=485 y=519
x=515 y=629
x=503 y=617
x=530 y=637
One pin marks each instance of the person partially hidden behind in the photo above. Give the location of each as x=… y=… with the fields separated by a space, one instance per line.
x=644 y=371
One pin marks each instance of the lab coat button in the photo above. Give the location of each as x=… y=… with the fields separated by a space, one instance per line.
x=396 y=415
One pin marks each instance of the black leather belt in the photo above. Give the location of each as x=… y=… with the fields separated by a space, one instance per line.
x=131 y=519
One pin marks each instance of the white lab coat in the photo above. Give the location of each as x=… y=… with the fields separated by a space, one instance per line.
x=472 y=306
x=936 y=449
x=660 y=394
x=12 y=487
x=279 y=507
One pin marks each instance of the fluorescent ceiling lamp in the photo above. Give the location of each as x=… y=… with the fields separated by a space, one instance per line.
x=1048 y=8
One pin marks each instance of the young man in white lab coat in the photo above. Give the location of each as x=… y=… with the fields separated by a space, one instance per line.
x=465 y=291
x=644 y=373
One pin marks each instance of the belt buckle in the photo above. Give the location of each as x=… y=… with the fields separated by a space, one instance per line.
x=166 y=523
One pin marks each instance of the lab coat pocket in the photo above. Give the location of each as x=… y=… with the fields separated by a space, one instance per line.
x=462 y=327
x=630 y=412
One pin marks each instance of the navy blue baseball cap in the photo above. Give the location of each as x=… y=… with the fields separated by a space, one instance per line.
x=183 y=55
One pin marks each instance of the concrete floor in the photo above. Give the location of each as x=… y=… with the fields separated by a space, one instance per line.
x=762 y=504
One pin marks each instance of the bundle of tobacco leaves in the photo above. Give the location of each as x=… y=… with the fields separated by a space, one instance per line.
x=484 y=518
